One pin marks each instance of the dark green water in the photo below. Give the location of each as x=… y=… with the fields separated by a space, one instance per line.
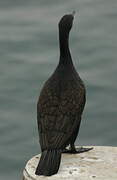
x=29 y=54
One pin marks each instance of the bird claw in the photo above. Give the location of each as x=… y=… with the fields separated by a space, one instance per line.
x=76 y=150
x=82 y=149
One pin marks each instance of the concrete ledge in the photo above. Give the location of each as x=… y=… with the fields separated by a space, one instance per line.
x=97 y=164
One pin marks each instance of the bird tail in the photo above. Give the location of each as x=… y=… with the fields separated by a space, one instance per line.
x=49 y=162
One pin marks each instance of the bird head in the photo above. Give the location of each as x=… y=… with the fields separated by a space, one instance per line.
x=66 y=22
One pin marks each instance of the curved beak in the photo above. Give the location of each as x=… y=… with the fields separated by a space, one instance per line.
x=73 y=13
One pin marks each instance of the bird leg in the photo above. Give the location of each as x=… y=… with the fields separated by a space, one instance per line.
x=73 y=150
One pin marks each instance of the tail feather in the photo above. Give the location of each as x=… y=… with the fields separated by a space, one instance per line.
x=49 y=162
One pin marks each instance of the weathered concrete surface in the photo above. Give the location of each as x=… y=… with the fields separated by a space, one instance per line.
x=97 y=164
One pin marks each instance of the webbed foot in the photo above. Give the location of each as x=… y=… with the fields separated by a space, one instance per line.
x=76 y=150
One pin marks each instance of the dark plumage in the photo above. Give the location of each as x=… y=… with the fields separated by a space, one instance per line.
x=60 y=107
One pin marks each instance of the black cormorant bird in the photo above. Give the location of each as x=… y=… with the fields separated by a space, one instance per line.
x=60 y=106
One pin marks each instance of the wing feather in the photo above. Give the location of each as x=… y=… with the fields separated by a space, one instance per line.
x=59 y=116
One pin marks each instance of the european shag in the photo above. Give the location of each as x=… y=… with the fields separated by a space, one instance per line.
x=60 y=107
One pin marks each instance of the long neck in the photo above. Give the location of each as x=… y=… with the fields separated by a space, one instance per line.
x=65 y=56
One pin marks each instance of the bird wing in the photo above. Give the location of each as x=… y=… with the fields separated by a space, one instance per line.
x=59 y=116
